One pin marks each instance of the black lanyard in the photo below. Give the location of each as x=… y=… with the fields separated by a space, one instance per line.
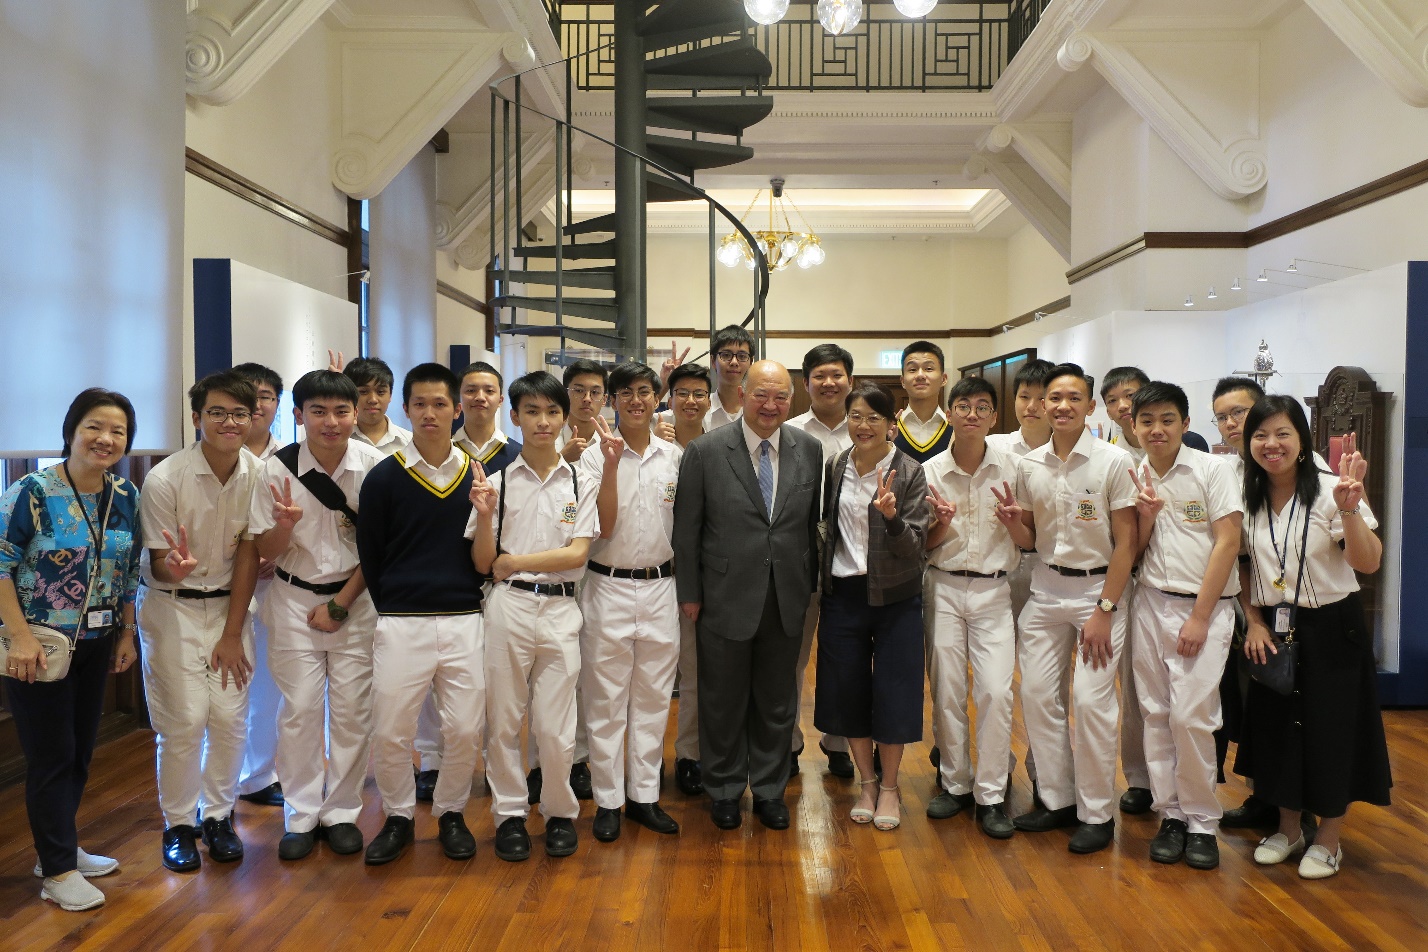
x=96 y=532
x=1278 y=581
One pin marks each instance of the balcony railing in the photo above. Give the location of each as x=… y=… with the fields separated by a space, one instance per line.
x=957 y=47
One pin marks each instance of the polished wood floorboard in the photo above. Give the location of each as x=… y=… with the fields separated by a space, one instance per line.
x=824 y=884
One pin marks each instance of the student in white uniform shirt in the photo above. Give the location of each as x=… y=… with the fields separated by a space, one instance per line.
x=828 y=375
x=199 y=572
x=1074 y=503
x=374 y=382
x=629 y=642
x=731 y=351
x=968 y=612
x=922 y=429
x=587 y=383
x=259 y=780
x=1189 y=512
x=530 y=530
x=320 y=619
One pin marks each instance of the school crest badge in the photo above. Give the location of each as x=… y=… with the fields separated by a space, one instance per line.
x=567 y=515
x=1086 y=510
x=669 y=491
x=1195 y=511
x=345 y=522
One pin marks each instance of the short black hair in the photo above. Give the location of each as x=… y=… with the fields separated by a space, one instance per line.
x=93 y=399
x=538 y=383
x=970 y=386
x=826 y=354
x=1230 y=384
x=1119 y=376
x=925 y=347
x=1032 y=374
x=1072 y=370
x=234 y=384
x=261 y=376
x=687 y=371
x=431 y=373
x=324 y=384
x=371 y=371
x=583 y=366
x=1306 y=477
x=878 y=398
x=627 y=374
x=480 y=367
x=730 y=334
x=1158 y=391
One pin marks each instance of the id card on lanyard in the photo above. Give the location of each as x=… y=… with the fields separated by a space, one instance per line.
x=99 y=618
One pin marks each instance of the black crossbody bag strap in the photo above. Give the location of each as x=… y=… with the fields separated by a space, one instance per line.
x=317 y=482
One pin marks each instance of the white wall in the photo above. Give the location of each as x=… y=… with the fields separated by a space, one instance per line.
x=1036 y=274
x=91 y=183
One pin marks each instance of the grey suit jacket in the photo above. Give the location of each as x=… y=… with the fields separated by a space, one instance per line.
x=726 y=547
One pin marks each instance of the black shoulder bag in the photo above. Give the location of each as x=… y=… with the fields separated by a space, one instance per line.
x=1280 y=668
x=317 y=482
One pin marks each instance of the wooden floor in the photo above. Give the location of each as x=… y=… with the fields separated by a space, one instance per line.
x=824 y=884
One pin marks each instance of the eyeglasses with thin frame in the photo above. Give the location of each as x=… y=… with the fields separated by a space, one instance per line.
x=220 y=415
x=734 y=357
x=1237 y=414
x=696 y=394
x=872 y=419
x=780 y=398
x=982 y=410
x=580 y=393
x=644 y=393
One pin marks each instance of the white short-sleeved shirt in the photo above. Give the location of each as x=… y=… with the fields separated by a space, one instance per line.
x=394 y=440
x=542 y=515
x=1198 y=489
x=1328 y=577
x=1013 y=443
x=834 y=440
x=646 y=487
x=1071 y=502
x=850 y=556
x=274 y=444
x=183 y=491
x=1116 y=436
x=324 y=543
x=486 y=450
x=718 y=416
x=976 y=540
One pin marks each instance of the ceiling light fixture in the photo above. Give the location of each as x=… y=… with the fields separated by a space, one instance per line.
x=1038 y=316
x=1212 y=295
x=914 y=8
x=1006 y=328
x=1236 y=285
x=1263 y=275
x=766 y=12
x=1293 y=267
x=840 y=16
x=782 y=246
x=1189 y=301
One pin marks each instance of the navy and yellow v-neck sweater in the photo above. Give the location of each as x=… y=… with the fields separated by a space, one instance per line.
x=411 y=542
x=922 y=452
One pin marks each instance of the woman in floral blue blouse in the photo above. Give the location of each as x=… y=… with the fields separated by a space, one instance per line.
x=69 y=559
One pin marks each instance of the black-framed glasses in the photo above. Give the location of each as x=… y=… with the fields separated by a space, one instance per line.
x=696 y=394
x=580 y=393
x=643 y=393
x=220 y=415
x=981 y=410
x=1237 y=414
x=735 y=357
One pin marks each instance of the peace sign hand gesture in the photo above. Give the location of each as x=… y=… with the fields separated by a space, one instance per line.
x=180 y=562
x=334 y=361
x=483 y=494
x=884 y=501
x=612 y=445
x=1009 y=511
x=1147 y=503
x=674 y=359
x=285 y=514
x=943 y=510
x=1352 y=469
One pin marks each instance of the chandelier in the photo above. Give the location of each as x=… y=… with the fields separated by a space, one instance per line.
x=837 y=16
x=781 y=247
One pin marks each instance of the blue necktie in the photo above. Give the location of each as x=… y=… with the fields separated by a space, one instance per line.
x=766 y=482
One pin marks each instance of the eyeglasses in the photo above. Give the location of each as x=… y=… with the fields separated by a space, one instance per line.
x=696 y=394
x=220 y=415
x=580 y=393
x=734 y=357
x=264 y=398
x=1237 y=414
x=982 y=410
x=644 y=393
x=872 y=419
x=759 y=396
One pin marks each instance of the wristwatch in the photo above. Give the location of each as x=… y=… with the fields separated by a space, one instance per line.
x=335 y=611
x=1104 y=604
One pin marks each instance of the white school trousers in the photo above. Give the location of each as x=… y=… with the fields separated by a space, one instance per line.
x=1050 y=644
x=1133 y=757
x=200 y=725
x=970 y=620
x=532 y=667
x=805 y=650
x=326 y=681
x=415 y=657
x=260 y=768
x=686 y=738
x=1019 y=582
x=1180 y=698
x=629 y=649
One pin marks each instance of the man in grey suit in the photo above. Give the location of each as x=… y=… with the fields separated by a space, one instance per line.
x=745 y=561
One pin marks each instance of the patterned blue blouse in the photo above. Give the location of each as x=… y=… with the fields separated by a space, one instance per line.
x=45 y=548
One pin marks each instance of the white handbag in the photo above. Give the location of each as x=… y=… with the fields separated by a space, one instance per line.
x=57 y=648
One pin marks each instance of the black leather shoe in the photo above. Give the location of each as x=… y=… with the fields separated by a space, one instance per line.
x=456 y=840
x=688 y=777
x=534 y=783
x=342 y=838
x=1042 y=820
x=1092 y=837
x=726 y=814
x=839 y=763
x=269 y=796
x=1036 y=802
x=1136 y=800
x=651 y=817
x=935 y=756
x=426 y=785
x=222 y=842
x=387 y=845
x=513 y=843
x=946 y=805
x=180 y=850
x=993 y=820
x=772 y=813
x=580 y=782
x=296 y=845
x=793 y=762
x=560 y=837
x=1253 y=814
x=607 y=824
x=1202 y=851
x=1168 y=846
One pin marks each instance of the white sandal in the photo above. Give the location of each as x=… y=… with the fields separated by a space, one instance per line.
x=861 y=815
x=886 y=822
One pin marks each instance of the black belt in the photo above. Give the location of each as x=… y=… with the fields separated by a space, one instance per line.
x=192 y=592
x=1026 y=551
x=666 y=570
x=328 y=588
x=1191 y=597
x=963 y=573
x=1076 y=573
x=544 y=588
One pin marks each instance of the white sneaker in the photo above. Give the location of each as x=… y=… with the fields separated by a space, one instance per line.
x=1275 y=849
x=1318 y=864
x=73 y=894
x=89 y=865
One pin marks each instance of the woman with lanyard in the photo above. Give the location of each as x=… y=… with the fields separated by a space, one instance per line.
x=69 y=560
x=1307 y=532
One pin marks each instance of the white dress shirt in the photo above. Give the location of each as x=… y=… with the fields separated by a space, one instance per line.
x=753 y=441
x=923 y=432
x=834 y=440
x=645 y=489
x=1198 y=489
x=1116 y=436
x=850 y=556
x=182 y=490
x=1014 y=443
x=394 y=440
x=542 y=515
x=718 y=416
x=1071 y=502
x=1328 y=577
x=486 y=450
x=439 y=477
x=976 y=540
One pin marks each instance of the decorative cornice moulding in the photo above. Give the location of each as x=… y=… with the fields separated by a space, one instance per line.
x=1390 y=37
x=232 y=43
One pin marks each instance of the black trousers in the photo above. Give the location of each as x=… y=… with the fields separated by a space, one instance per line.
x=870 y=666
x=57 y=724
x=747 y=707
